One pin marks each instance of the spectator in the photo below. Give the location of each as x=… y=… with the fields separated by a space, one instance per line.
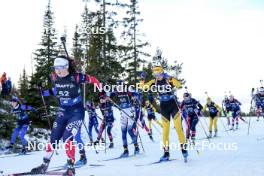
x=3 y=78
x=3 y=83
x=9 y=85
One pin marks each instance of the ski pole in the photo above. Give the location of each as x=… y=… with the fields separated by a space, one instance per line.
x=138 y=134
x=205 y=132
x=137 y=129
x=86 y=129
x=241 y=118
x=206 y=124
x=118 y=107
x=204 y=116
x=181 y=116
x=45 y=107
x=105 y=136
x=250 y=117
x=156 y=128
x=46 y=111
x=63 y=41
x=248 y=125
x=94 y=113
x=200 y=121
x=221 y=120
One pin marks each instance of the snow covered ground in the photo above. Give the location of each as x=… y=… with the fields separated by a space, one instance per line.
x=244 y=155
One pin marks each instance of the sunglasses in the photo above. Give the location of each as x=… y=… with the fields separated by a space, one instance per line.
x=60 y=67
x=158 y=74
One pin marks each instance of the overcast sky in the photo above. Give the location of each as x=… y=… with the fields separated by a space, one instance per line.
x=220 y=42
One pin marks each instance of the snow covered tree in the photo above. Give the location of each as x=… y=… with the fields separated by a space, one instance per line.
x=174 y=69
x=45 y=55
x=100 y=51
x=158 y=59
x=134 y=54
x=23 y=84
x=44 y=58
x=103 y=48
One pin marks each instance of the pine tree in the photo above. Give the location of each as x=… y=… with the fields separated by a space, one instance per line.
x=23 y=84
x=174 y=69
x=159 y=60
x=45 y=55
x=44 y=58
x=100 y=45
x=148 y=71
x=134 y=54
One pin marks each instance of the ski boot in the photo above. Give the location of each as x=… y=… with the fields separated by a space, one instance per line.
x=102 y=140
x=193 y=140
x=166 y=156
x=23 y=151
x=184 y=151
x=90 y=143
x=42 y=168
x=83 y=159
x=11 y=146
x=232 y=127
x=236 y=126
x=210 y=134
x=136 y=151
x=125 y=153
x=215 y=134
x=111 y=145
x=150 y=135
x=70 y=169
x=9 y=149
x=185 y=156
x=96 y=142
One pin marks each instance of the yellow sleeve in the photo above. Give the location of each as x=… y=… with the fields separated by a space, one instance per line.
x=204 y=108
x=145 y=86
x=218 y=108
x=175 y=83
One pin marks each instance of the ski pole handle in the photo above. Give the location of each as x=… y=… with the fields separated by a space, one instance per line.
x=63 y=41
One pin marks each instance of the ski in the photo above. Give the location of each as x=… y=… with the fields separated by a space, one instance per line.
x=120 y=157
x=156 y=162
x=185 y=160
x=260 y=139
x=75 y=166
x=235 y=129
x=199 y=139
x=194 y=147
x=62 y=173
x=14 y=155
x=58 y=173
x=58 y=170
x=20 y=173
